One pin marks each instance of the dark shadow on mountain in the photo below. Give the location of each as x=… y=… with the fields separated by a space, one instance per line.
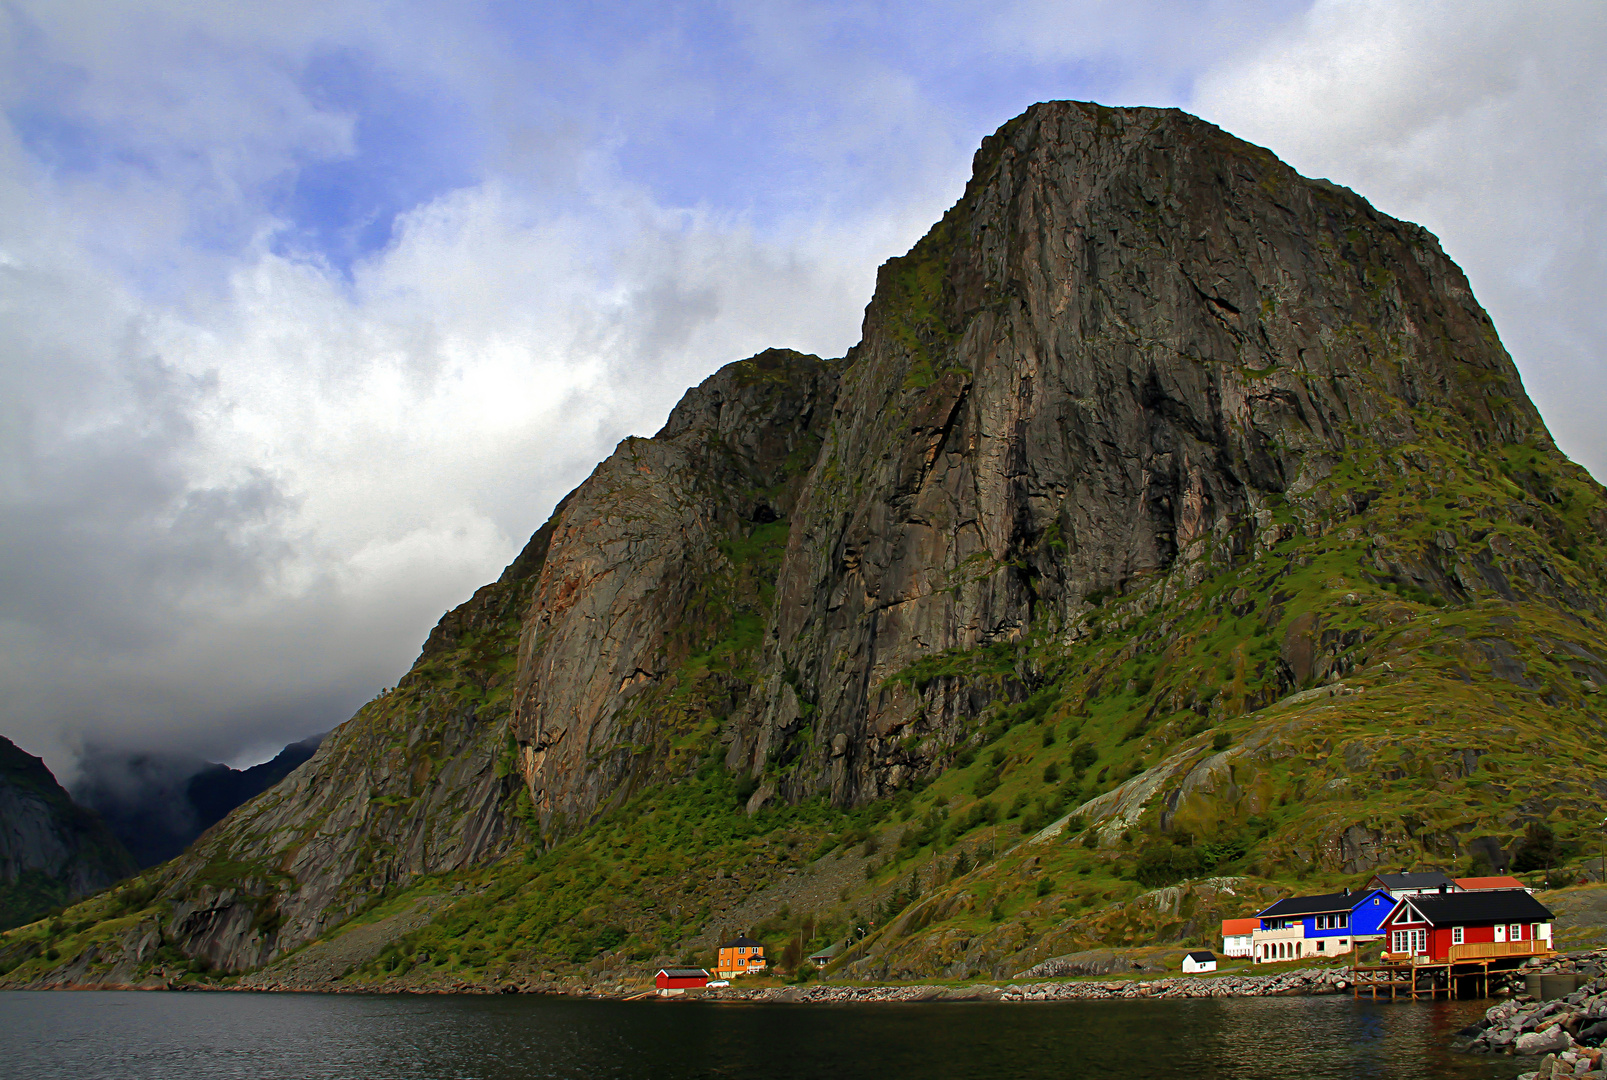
x=157 y=804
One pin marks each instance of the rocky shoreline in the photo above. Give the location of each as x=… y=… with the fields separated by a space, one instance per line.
x=1566 y=1034
x=1291 y=983
x=1311 y=981
x=1516 y=1017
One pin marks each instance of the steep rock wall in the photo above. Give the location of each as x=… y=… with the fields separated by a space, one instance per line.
x=1131 y=338
x=623 y=600
x=52 y=851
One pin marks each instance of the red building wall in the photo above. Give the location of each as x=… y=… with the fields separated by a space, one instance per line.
x=665 y=982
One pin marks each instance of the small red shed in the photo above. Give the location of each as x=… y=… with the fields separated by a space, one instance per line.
x=681 y=979
x=1452 y=927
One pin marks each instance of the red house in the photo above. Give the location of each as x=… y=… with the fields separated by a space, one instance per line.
x=1455 y=927
x=672 y=981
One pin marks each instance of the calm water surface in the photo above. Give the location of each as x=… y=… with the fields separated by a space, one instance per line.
x=133 y=1036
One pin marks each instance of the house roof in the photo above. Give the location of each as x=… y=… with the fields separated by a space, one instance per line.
x=1474 y=884
x=1231 y=927
x=1201 y=957
x=1494 y=905
x=743 y=942
x=683 y=973
x=1424 y=879
x=828 y=952
x=1315 y=905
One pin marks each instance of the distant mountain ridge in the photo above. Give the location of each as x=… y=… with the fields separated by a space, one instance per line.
x=52 y=851
x=157 y=804
x=1177 y=519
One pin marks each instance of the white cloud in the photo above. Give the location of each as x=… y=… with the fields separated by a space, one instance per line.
x=1484 y=121
x=241 y=511
x=238 y=482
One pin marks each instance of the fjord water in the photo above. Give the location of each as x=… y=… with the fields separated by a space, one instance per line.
x=133 y=1036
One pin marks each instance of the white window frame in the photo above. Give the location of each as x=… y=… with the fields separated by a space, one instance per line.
x=1457 y=935
x=1515 y=932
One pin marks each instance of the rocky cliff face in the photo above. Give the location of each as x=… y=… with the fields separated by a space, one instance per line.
x=655 y=585
x=1132 y=338
x=1198 y=496
x=52 y=851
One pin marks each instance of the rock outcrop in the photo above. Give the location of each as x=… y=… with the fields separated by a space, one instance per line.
x=643 y=573
x=1128 y=342
x=52 y=851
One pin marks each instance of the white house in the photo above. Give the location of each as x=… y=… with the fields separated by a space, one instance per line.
x=1418 y=883
x=1236 y=936
x=1196 y=962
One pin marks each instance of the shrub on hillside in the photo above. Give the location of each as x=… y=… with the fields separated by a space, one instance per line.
x=1538 y=850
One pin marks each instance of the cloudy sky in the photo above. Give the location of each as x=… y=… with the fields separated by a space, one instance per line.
x=309 y=312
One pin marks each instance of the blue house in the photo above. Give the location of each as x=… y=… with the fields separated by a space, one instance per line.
x=1306 y=926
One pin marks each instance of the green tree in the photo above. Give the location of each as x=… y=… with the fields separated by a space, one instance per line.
x=1538 y=850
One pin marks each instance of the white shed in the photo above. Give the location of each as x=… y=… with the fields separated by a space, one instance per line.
x=1196 y=962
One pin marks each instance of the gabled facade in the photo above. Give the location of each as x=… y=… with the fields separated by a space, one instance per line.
x=740 y=956
x=1196 y=963
x=1452 y=927
x=1306 y=926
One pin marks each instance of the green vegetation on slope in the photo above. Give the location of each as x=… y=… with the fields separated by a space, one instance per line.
x=1404 y=669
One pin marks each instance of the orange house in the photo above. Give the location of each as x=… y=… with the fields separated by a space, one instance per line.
x=739 y=956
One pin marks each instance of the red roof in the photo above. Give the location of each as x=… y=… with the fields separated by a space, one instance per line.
x=1232 y=927
x=1475 y=884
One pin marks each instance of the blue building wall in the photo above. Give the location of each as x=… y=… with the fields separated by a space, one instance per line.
x=1367 y=914
x=1367 y=917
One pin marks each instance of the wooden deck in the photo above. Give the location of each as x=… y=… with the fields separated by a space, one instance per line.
x=1460 y=976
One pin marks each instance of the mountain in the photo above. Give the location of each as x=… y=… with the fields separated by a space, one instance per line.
x=52 y=851
x=157 y=804
x=217 y=789
x=1178 y=534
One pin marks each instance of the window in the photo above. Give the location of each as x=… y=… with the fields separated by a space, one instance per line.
x=1456 y=935
x=1320 y=944
x=1515 y=932
x=1408 y=941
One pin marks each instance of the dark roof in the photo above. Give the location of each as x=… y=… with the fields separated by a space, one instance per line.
x=1201 y=956
x=683 y=973
x=742 y=943
x=1315 y=905
x=1495 y=905
x=1426 y=879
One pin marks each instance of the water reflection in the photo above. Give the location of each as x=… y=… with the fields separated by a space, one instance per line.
x=135 y=1036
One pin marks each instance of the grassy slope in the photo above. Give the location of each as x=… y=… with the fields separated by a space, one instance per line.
x=1440 y=745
